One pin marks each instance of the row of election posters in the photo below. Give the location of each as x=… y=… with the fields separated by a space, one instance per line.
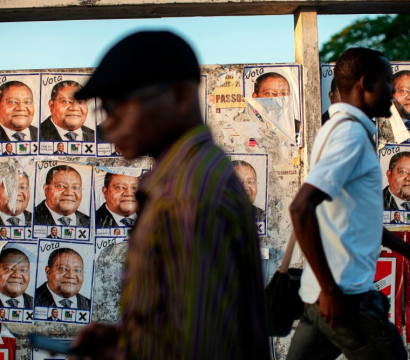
x=51 y=280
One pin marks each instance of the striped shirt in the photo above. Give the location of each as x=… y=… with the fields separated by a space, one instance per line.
x=193 y=285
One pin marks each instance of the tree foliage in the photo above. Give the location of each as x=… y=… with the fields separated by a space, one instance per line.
x=388 y=34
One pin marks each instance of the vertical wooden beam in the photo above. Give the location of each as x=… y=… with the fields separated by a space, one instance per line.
x=307 y=54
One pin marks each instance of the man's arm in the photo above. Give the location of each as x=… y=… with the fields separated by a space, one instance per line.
x=306 y=228
x=396 y=244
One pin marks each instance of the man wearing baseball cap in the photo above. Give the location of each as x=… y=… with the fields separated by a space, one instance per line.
x=193 y=286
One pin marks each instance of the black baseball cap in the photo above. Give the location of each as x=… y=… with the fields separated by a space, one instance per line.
x=141 y=60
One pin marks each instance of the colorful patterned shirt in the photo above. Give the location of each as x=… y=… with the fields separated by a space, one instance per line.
x=193 y=285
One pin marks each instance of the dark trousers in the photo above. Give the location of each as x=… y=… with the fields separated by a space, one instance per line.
x=365 y=332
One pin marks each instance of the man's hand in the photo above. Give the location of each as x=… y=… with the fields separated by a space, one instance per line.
x=331 y=307
x=97 y=341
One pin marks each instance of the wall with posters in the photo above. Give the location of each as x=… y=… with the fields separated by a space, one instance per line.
x=67 y=196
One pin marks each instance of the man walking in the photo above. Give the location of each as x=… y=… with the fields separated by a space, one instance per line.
x=338 y=216
x=193 y=287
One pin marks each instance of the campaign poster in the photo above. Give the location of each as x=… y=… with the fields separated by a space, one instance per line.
x=19 y=114
x=17 y=181
x=104 y=147
x=252 y=171
x=115 y=203
x=385 y=281
x=400 y=109
x=64 y=281
x=39 y=354
x=273 y=96
x=395 y=166
x=67 y=125
x=62 y=200
x=329 y=91
x=18 y=263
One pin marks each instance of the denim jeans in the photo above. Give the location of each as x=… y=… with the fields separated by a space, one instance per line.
x=365 y=332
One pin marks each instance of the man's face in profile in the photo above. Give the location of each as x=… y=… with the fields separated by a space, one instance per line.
x=399 y=179
x=54 y=313
x=3 y=232
x=402 y=96
x=64 y=193
x=60 y=147
x=66 y=112
x=9 y=148
x=248 y=179
x=14 y=275
x=397 y=216
x=120 y=194
x=23 y=198
x=53 y=231
x=17 y=108
x=66 y=275
x=273 y=87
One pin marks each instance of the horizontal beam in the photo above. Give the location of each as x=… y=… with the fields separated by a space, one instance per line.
x=47 y=10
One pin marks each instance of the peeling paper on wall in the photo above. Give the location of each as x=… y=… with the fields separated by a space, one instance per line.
x=9 y=173
x=286 y=174
x=400 y=131
x=276 y=113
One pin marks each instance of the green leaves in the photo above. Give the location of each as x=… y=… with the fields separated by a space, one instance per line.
x=389 y=34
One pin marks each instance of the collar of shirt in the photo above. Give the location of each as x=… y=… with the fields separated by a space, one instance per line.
x=10 y=133
x=118 y=218
x=5 y=217
x=398 y=201
x=62 y=132
x=170 y=157
x=57 y=216
x=57 y=299
x=356 y=112
x=4 y=298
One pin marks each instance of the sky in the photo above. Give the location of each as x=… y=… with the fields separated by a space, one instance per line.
x=216 y=40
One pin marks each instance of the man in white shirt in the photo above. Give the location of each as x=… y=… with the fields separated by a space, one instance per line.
x=65 y=276
x=17 y=112
x=68 y=115
x=338 y=216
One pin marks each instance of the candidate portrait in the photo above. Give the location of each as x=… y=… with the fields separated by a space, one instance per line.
x=60 y=149
x=9 y=150
x=396 y=196
x=271 y=85
x=63 y=194
x=401 y=98
x=15 y=214
x=65 y=276
x=17 y=112
x=68 y=115
x=248 y=178
x=54 y=316
x=120 y=206
x=3 y=315
x=14 y=279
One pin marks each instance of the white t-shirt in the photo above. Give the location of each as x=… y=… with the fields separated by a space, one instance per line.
x=351 y=222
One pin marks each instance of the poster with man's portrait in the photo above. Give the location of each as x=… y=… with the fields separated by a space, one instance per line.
x=273 y=96
x=64 y=119
x=116 y=206
x=19 y=114
x=395 y=165
x=16 y=199
x=62 y=200
x=329 y=92
x=252 y=171
x=203 y=97
x=64 y=281
x=18 y=263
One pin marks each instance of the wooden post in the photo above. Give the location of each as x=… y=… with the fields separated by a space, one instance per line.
x=307 y=54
